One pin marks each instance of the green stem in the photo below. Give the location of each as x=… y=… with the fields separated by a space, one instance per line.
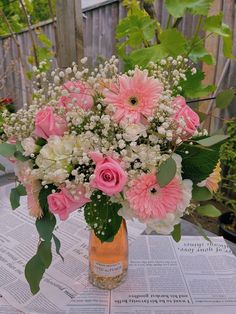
x=168 y=21
x=195 y=35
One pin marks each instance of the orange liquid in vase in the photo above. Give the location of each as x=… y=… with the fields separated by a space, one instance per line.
x=108 y=261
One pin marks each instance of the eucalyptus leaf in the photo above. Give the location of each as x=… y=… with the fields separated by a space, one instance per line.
x=7 y=150
x=201 y=194
x=19 y=156
x=176 y=233
x=166 y=172
x=212 y=140
x=34 y=271
x=208 y=210
x=224 y=98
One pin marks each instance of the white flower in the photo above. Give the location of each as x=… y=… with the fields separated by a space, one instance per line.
x=29 y=146
x=55 y=157
x=133 y=132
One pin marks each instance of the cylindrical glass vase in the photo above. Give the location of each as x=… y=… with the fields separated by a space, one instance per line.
x=108 y=261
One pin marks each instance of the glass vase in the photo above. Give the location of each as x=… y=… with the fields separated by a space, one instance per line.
x=108 y=261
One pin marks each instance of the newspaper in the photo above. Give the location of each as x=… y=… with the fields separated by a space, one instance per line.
x=64 y=280
x=192 y=276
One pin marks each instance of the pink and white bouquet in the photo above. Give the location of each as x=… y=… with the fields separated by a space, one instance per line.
x=117 y=145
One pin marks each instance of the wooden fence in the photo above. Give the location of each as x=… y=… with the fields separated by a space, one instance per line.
x=99 y=40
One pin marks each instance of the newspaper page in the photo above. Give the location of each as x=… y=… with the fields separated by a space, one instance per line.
x=6 y=308
x=64 y=280
x=192 y=276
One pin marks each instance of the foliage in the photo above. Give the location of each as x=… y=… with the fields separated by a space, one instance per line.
x=200 y=161
x=38 y=10
x=6 y=106
x=142 y=40
x=102 y=216
x=208 y=210
x=15 y=195
x=227 y=191
x=166 y=172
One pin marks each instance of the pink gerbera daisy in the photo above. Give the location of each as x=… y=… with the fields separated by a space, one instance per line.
x=134 y=97
x=79 y=95
x=149 y=200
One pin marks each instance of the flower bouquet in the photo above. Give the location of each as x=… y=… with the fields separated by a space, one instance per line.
x=119 y=145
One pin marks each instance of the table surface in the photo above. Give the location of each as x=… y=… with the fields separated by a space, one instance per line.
x=188 y=228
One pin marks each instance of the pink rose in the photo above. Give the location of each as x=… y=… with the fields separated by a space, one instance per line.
x=79 y=95
x=63 y=203
x=47 y=123
x=109 y=175
x=185 y=117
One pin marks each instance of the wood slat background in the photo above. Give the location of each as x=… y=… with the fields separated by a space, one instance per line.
x=99 y=25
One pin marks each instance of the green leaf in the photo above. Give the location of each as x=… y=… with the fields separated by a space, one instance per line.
x=145 y=55
x=228 y=47
x=45 y=226
x=45 y=40
x=178 y=8
x=58 y=246
x=30 y=60
x=176 y=233
x=208 y=210
x=212 y=140
x=14 y=198
x=137 y=29
x=214 y=24
x=193 y=87
x=102 y=216
x=200 y=161
x=41 y=141
x=45 y=253
x=34 y=271
x=43 y=196
x=19 y=147
x=2 y=168
x=19 y=156
x=166 y=172
x=15 y=195
x=7 y=150
x=21 y=190
x=199 y=53
x=201 y=194
x=224 y=98
x=173 y=42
